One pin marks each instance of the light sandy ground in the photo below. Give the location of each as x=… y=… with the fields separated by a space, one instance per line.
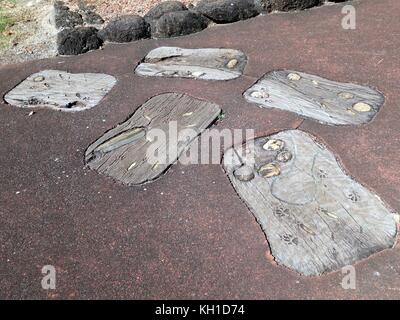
x=32 y=36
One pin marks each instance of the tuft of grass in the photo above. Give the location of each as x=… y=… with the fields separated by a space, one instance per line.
x=6 y=20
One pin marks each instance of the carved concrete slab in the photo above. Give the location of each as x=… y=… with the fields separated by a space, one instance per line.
x=61 y=90
x=313 y=97
x=204 y=64
x=316 y=218
x=125 y=153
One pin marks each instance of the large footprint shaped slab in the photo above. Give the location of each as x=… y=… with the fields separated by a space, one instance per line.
x=61 y=90
x=315 y=217
x=204 y=64
x=164 y=127
x=326 y=101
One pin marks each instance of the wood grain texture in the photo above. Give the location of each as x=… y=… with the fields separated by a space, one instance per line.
x=313 y=97
x=123 y=152
x=60 y=90
x=204 y=64
x=316 y=218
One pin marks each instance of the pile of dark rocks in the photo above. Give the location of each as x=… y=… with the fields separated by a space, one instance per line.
x=172 y=18
x=79 y=30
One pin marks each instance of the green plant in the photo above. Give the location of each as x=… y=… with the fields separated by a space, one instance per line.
x=6 y=19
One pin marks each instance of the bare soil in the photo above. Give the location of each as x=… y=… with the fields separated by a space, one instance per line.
x=27 y=33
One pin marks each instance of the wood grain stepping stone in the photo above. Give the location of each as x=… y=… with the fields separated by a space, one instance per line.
x=316 y=218
x=122 y=153
x=313 y=97
x=61 y=90
x=204 y=64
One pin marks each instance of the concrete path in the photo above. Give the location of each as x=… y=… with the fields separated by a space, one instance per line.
x=188 y=235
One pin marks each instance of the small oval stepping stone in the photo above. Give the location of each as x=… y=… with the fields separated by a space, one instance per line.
x=204 y=64
x=313 y=97
x=244 y=173
x=123 y=153
x=316 y=218
x=61 y=90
